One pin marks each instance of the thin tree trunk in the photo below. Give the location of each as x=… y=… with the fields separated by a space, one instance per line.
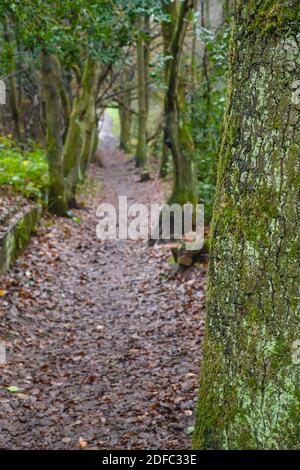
x=141 y=150
x=249 y=388
x=177 y=135
x=13 y=87
x=205 y=63
x=125 y=123
x=168 y=28
x=194 y=70
x=125 y=113
x=147 y=62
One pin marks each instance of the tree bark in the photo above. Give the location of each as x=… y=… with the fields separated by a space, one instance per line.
x=168 y=28
x=80 y=139
x=141 y=150
x=63 y=93
x=13 y=87
x=125 y=123
x=125 y=112
x=177 y=136
x=249 y=387
x=57 y=195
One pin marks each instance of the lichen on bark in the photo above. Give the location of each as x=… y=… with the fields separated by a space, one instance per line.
x=249 y=387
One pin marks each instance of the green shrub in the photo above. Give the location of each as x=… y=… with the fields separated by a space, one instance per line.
x=25 y=171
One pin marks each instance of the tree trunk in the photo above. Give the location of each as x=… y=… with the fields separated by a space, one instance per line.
x=168 y=28
x=14 y=100
x=141 y=150
x=57 y=196
x=227 y=8
x=204 y=9
x=177 y=135
x=63 y=93
x=125 y=112
x=147 y=62
x=125 y=123
x=249 y=388
x=80 y=139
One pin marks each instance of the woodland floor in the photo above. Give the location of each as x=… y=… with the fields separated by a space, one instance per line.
x=103 y=344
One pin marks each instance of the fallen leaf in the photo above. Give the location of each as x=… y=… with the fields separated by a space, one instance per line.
x=13 y=389
x=82 y=443
x=190 y=430
x=22 y=396
x=66 y=440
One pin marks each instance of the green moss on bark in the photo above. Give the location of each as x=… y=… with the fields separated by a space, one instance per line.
x=249 y=387
x=79 y=145
x=263 y=17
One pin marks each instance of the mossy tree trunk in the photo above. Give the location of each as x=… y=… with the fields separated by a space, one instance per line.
x=142 y=59
x=62 y=90
x=249 y=387
x=177 y=135
x=54 y=138
x=80 y=139
x=125 y=124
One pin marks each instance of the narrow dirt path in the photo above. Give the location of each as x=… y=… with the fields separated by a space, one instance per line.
x=101 y=344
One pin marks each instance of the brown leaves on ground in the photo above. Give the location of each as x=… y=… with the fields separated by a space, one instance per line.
x=102 y=343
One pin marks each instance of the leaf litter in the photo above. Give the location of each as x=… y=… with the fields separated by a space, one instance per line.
x=103 y=345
